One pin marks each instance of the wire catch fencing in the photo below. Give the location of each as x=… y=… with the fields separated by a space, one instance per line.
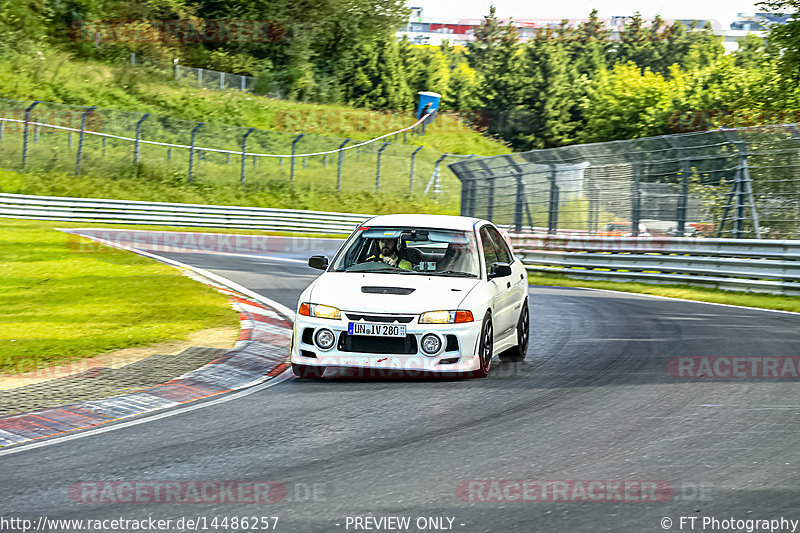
x=736 y=183
x=49 y=136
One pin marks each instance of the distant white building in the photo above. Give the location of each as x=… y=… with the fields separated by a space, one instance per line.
x=459 y=32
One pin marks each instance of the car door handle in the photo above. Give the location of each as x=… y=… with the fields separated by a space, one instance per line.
x=508 y=285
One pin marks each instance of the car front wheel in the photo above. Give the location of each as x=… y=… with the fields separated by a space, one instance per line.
x=307 y=371
x=485 y=348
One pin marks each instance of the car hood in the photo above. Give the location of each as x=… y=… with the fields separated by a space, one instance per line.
x=430 y=293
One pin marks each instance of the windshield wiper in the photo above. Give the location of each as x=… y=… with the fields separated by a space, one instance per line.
x=453 y=273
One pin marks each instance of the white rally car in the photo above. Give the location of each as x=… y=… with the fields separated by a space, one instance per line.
x=416 y=293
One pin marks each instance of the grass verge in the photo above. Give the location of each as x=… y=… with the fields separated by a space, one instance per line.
x=50 y=75
x=683 y=292
x=59 y=304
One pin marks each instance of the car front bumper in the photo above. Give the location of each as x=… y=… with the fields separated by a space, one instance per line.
x=462 y=359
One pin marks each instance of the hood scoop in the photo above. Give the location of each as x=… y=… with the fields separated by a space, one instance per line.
x=387 y=290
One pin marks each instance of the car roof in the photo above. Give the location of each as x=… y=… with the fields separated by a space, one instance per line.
x=425 y=221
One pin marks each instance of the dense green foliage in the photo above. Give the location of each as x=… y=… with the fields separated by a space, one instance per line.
x=567 y=85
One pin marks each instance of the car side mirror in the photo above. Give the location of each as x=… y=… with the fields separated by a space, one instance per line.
x=499 y=270
x=320 y=262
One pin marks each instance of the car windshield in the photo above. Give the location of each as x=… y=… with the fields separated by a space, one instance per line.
x=405 y=250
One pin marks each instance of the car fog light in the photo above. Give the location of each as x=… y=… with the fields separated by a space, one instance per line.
x=431 y=344
x=325 y=339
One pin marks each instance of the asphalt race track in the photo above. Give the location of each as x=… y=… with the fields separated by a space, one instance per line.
x=593 y=401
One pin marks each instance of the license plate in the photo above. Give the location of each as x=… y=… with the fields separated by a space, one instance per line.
x=368 y=329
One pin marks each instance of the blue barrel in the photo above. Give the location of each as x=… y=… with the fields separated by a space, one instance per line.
x=425 y=99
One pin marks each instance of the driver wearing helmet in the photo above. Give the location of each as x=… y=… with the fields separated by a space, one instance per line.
x=388 y=254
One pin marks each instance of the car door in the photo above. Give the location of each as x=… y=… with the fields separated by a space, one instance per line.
x=500 y=288
x=518 y=278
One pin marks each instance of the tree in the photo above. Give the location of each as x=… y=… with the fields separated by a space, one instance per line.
x=784 y=38
x=626 y=103
x=752 y=53
x=376 y=80
x=544 y=116
x=590 y=47
x=495 y=53
x=464 y=83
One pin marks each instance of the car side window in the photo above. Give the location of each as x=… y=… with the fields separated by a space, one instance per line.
x=503 y=253
x=489 y=250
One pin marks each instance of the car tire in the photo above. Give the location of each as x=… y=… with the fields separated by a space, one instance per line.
x=308 y=371
x=485 y=348
x=518 y=352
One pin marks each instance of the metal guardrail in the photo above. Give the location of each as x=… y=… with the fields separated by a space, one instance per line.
x=732 y=264
x=770 y=266
x=173 y=214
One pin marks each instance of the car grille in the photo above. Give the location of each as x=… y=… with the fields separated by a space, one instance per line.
x=380 y=345
x=388 y=319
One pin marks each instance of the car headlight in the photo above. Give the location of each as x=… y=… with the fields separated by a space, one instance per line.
x=319 y=311
x=446 y=317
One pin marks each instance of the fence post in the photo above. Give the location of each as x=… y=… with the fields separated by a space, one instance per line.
x=683 y=204
x=738 y=198
x=435 y=177
x=36 y=134
x=411 y=173
x=133 y=59
x=378 y=172
x=105 y=141
x=728 y=200
x=594 y=207
x=552 y=212
x=25 y=132
x=222 y=80
x=636 y=201
x=1 y=130
x=199 y=77
x=746 y=186
x=294 y=147
x=138 y=136
x=244 y=151
x=683 y=200
x=191 y=151
x=243 y=87
x=490 y=185
x=175 y=69
x=341 y=163
x=520 y=192
x=80 y=139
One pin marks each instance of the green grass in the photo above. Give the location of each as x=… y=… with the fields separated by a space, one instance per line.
x=59 y=304
x=156 y=185
x=683 y=292
x=54 y=76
